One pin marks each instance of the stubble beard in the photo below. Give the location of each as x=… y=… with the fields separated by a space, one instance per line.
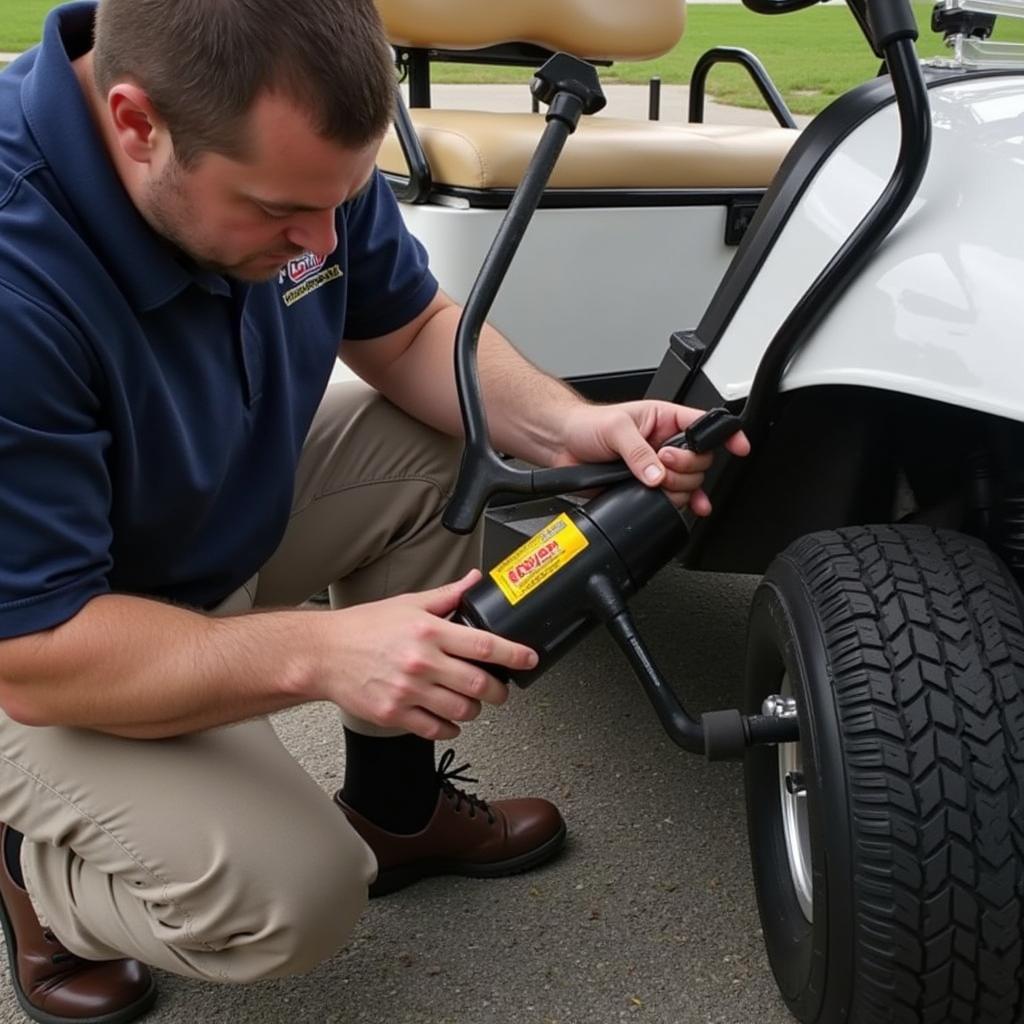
x=169 y=211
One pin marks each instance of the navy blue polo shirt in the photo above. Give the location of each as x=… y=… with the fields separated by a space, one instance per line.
x=152 y=414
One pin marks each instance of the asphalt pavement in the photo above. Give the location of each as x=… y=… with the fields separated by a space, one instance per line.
x=649 y=914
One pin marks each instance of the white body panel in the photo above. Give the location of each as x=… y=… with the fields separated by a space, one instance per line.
x=591 y=290
x=939 y=311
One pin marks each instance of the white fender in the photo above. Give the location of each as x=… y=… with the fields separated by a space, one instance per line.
x=939 y=311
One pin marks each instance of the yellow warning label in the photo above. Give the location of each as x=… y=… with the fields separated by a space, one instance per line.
x=539 y=558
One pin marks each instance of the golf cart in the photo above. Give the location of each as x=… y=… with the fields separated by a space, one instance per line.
x=865 y=333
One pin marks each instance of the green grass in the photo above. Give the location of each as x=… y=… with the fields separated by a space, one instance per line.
x=813 y=56
x=21 y=22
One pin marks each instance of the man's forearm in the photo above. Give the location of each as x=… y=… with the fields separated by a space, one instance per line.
x=525 y=406
x=137 y=668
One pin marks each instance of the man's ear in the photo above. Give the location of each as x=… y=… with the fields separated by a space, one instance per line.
x=138 y=128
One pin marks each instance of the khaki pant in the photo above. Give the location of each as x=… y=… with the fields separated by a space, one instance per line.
x=214 y=855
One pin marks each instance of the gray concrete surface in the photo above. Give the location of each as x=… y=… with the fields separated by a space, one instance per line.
x=648 y=916
x=630 y=101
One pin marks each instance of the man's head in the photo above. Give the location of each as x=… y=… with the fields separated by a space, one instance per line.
x=239 y=125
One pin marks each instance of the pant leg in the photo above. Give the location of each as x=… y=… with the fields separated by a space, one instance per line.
x=213 y=855
x=366 y=519
x=370 y=490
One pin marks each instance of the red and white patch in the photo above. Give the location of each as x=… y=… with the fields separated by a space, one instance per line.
x=302 y=266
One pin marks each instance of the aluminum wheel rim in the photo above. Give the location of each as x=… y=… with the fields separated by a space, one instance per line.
x=795 y=826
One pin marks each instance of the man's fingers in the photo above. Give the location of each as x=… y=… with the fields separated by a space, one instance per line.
x=474 y=683
x=457 y=696
x=429 y=726
x=639 y=456
x=682 y=417
x=682 y=460
x=739 y=444
x=471 y=644
x=700 y=504
x=682 y=484
x=444 y=600
x=451 y=706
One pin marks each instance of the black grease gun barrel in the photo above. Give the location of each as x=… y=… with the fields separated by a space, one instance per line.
x=545 y=593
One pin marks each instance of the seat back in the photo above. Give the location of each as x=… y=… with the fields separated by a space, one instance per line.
x=604 y=30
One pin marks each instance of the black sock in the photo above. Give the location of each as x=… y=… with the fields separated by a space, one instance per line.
x=12 y=855
x=391 y=780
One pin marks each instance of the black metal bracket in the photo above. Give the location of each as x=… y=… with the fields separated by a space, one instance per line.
x=962 y=23
x=417 y=188
x=682 y=360
x=737 y=219
x=414 y=63
x=736 y=55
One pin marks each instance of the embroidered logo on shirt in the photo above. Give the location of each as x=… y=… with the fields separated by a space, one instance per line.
x=305 y=272
x=302 y=266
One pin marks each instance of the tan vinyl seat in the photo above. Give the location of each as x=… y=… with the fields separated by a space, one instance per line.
x=469 y=149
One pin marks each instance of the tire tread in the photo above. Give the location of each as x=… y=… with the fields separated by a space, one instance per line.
x=926 y=650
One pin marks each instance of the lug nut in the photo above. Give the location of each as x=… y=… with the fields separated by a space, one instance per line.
x=777 y=706
x=795 y=785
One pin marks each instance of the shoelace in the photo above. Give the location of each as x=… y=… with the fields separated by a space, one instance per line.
x=446 y=775
x=59 y=958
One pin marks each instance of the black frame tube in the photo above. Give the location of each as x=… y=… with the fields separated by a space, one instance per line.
x=418 y=64
x=757 y=71
x=654 y=99
x=885 y=214
x=481 y=468
x=417 y=188
x=482 y=472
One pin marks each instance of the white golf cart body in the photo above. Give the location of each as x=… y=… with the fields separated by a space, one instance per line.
x=600 y=283
x=631 y=241
x=938 y=313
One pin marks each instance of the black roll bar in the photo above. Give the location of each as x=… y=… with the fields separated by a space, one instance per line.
x=417 y=188
x=757 y=71
x=884 y=215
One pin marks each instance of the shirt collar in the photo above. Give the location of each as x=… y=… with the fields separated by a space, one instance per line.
x=144 y=265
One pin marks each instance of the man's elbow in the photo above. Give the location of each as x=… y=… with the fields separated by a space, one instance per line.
x=21 y=688
x=17 y=703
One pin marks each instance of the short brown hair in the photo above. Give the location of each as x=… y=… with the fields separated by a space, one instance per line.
x=204 y=62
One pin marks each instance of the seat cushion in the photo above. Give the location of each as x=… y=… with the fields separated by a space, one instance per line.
x=470 y=149
x=592 y=29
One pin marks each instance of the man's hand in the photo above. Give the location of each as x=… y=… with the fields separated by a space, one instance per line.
x=401 y=663
x=632 y=431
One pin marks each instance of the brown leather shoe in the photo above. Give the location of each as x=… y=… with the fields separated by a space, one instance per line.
x=465 y=836
x=53 y=985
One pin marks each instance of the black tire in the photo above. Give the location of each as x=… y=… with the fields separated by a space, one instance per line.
x=904 y=648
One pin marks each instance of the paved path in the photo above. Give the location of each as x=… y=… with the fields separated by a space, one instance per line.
x=629 y=101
